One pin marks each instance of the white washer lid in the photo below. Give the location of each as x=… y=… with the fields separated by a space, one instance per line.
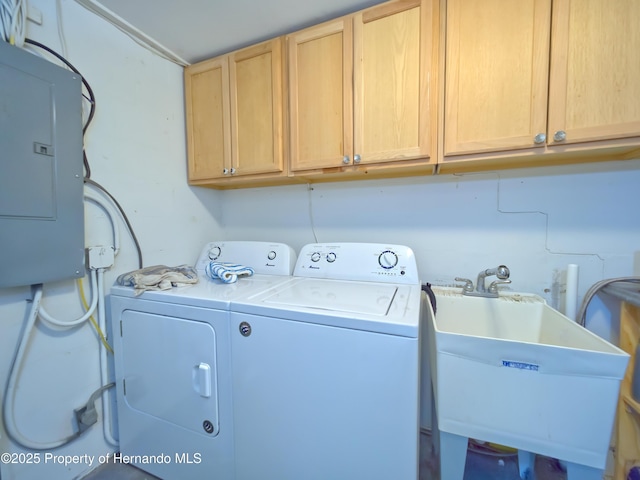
x=340 y=296
x=366 y=306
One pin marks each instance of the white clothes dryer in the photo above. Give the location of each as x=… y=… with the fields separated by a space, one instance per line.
x=173 y=368
x=326 y=368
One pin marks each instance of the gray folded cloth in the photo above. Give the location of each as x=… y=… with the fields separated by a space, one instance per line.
x=158 y=277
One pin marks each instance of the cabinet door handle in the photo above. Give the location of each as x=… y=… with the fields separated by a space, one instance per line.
x=539 y=138
x=560 y=136
x=233 y=171
x=356 y=159
x=225 y=171
x=346 y=160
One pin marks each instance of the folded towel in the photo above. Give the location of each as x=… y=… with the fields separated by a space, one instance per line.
x=158 y=277
x=227 y=272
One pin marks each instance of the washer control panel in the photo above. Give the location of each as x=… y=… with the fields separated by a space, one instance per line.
x=264 y=257
x=369 y=262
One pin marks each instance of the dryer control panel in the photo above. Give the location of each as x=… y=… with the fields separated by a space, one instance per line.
x=368 y=262
x=264 y=257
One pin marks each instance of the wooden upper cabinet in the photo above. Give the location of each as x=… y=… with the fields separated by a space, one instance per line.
x=496 y=74
x=392 y=46
x=257 y=109
x=535 y=77
x=320 y=93
x=234 y=116
x=520 y=83
x=208 y=119
x=594 y=90
x=360 y=88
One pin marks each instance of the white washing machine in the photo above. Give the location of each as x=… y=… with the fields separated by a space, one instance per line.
x=326 y=368
x=173 y=368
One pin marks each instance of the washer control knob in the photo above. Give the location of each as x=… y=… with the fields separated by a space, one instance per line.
x=271 y=255
x=388 y=259
x=331 y=257
x=315 y=256
x=214 y=253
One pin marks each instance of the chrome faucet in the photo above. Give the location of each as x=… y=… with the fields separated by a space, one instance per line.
x=502 y=272
x=481 y=290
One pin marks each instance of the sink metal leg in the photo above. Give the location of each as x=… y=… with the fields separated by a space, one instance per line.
x=576 y=471
x=526 y=463
x=453 y=456
x=435 y=431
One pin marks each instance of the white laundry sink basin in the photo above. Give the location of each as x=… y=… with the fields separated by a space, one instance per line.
x=514 y=371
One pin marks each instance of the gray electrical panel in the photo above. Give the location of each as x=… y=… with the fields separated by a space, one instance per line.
x=41 y=176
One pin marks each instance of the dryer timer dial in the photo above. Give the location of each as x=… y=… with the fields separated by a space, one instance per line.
x=214 y=252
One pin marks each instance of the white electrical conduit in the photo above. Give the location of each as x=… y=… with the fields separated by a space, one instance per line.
x=110 y=213
x=97 y=301
x=37 y=310
x=104 y=373
x=42 y=313
x=9 y=398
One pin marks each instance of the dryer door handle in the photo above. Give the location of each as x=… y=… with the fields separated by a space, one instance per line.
x=202 y=379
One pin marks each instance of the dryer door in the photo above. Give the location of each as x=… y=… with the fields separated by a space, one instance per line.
x=169 y=369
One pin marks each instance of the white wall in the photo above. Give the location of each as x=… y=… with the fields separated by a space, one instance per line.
x=136 y=148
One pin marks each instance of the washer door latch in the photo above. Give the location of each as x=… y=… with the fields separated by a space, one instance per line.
x=245 y=329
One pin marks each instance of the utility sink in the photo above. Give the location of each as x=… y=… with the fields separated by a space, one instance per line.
x=514 y=371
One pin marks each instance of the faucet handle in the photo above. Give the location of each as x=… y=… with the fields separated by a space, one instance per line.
x=493 y=286
x=468 y=284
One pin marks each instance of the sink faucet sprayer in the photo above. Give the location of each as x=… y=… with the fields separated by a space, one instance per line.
x=501 y=272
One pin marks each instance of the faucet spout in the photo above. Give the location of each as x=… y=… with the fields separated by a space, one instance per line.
x=502 y=272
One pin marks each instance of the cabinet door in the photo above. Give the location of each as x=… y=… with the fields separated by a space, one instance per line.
x=320 y=95
x=208 y=119
x=595 y=70
x=256 y=109
x=392 y=61
x=496 y=75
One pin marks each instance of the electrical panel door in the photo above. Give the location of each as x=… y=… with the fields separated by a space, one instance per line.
x=41 y=178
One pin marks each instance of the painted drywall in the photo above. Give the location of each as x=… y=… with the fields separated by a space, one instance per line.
x=535 y=221
x=136 y=148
